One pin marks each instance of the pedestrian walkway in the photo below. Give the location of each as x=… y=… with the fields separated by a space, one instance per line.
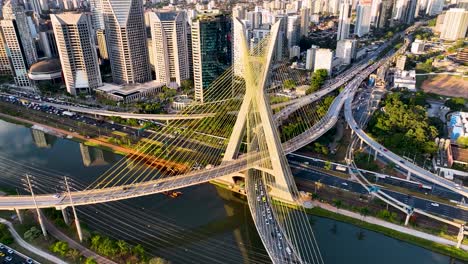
x=402 y=229
x=30 y=247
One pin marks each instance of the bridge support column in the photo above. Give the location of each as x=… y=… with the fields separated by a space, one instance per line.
x=407 y=219
x=460 y=236
x=78 y=227
x=41 y=222
x=408 y=176
x=362 y=143
x=66 y=219
x=19 y=215
x=376 y=154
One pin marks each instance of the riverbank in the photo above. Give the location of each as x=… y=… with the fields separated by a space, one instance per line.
x=73 y=135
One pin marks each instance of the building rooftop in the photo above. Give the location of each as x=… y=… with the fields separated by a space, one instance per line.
x=125 y=90
x=167 y=16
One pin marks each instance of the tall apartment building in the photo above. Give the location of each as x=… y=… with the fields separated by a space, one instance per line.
x=363 y=18
x=126 y=41
x=324 y=60
x=344 y=20
x=305 y=21
x=346 y=50
x=5 y=69
x=75 y=42
x=293 y=30
x=19 y=43
x=455 y=24
x=434 y=7
x=211 y=51
x=385 y=14
x=238 y=31
x=169 y=37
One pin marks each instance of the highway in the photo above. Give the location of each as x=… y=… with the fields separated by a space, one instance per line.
x=94 y=111
x=381 y=150
x=309 y=173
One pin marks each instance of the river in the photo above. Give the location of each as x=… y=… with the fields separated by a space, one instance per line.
x=206 y=224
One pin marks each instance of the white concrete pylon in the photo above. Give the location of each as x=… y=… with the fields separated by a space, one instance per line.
x=256 y=72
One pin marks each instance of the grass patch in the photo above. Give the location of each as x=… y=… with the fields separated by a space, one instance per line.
x=14 y=121
x=433 y=246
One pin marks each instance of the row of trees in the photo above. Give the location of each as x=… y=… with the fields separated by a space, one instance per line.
x=118 y=249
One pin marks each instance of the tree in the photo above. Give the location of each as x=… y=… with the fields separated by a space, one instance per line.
x=5 y=235
x=32 y=234
x=123 y=246
x=73 y=254
x=456 y=104
x=317 y=80
x=364 y=211
x=59 y=247
x=463 y=142
x=158 y=260
x=289 y=84
x=186 y=86
x=90 y=260
x=328 y=165
x=139 y=251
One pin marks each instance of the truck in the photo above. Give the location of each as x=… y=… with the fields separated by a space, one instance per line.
x=340 y=168
x=68 y=113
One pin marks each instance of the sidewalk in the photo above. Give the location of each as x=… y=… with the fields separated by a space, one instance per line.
x=402 y=229
x=28 y=246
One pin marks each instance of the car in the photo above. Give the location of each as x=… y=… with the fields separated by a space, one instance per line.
x=156 y=185
x=29 y=261
x=2 y=246
x=344 y=183
x=258 y=198
x=402 y=161
x=266 y=222
x=8 y=259
x=10 y=251
x=385 y=150
x=56 y=196
x=435 y=204
x=288 y=250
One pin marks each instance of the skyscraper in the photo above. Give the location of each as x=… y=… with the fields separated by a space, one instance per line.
x=211 y=49
x=363 y=18
x=77 y=51
x=434 y=7
x=169 y=37
x=19 y=43
x=455 y=24
x=305 y=21
x=126 y=41
x=344 y=20
x=5 y=69
x=385 y=14
x=238 y=31
x=293 y=30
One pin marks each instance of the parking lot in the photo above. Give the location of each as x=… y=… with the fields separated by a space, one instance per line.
x=9 y=255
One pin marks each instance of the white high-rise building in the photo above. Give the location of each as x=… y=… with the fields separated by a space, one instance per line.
x=375 y=11
x=324 y=60
x=169 y=34
x=455 y=24
x=310 y=57
x=5 y=69
x=346 y=50
x=75 y=42
x=238 y=31
x=344 y=20
x=98 y=17
x=126 y=41
x=363 y=19
x=434 y=7
x=19 y=43
x=293 y=30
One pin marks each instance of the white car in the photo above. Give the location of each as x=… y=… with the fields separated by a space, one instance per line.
x=56 y=196
x=435 y=204
x=344 y=183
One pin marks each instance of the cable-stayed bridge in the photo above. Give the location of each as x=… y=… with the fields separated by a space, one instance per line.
x=189 y=151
